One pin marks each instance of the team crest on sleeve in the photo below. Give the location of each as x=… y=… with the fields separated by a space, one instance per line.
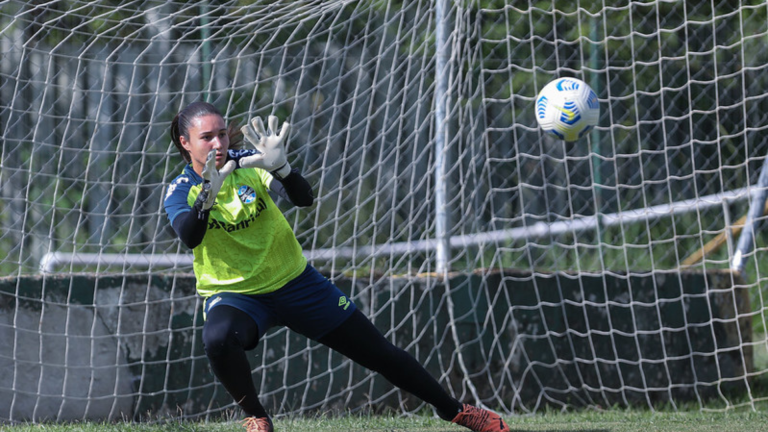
x=247 y=194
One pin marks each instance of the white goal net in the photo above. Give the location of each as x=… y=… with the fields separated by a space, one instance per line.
x=624 y=269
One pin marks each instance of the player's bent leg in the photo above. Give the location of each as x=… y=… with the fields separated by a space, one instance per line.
x=227 y=333
x=480 y=420
x=359 y=340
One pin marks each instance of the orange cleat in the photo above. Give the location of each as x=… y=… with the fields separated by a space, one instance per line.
x=258 y=424
x=480 y=420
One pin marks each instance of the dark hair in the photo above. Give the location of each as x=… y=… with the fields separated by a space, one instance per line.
x=183 y=120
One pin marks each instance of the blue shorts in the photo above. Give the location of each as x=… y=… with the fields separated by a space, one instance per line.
x=309 y=304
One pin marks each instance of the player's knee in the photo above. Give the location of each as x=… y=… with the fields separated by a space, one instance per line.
x=220 y=340
x=228 y=330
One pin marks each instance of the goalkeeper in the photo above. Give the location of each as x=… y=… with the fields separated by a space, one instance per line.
x=252 y=273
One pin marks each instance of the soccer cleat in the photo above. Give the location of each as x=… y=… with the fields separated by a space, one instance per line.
x=258 y=424
x=480 y=420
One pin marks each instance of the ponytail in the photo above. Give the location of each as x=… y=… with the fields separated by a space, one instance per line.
x=176 y=138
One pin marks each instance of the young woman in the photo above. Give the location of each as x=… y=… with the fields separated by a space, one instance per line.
x=253 y=275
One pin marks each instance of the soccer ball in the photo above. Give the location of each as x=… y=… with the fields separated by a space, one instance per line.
x=567 y=108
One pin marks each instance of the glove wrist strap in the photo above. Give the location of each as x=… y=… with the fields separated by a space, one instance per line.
x=201 y=203
x=282 y=172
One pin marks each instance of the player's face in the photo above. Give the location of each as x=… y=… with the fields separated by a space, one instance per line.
x=206 y=133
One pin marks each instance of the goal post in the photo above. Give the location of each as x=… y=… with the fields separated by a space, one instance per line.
x=522 y=271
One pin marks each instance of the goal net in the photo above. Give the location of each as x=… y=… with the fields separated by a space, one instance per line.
x=525 y=273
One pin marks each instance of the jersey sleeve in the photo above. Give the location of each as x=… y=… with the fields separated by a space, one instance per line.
x=189 y=223
x=295 y=188
x=175 y=201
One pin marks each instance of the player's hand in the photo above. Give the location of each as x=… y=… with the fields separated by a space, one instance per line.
x=270 y=144
x=212 y=180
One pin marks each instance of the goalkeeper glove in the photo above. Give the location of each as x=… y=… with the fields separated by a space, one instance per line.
x=270 y=144
x=212 y=181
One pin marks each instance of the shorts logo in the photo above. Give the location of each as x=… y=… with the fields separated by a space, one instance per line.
x=344 y=303
x=247 y=194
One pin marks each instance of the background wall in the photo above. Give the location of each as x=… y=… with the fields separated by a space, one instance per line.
x=104 y=347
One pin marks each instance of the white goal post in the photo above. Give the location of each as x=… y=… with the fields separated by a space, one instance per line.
x=524 y=272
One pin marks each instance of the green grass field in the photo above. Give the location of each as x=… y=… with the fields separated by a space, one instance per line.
x=589 y=421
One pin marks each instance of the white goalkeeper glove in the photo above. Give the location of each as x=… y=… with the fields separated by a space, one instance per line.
x=270 y=144
x=212 y=181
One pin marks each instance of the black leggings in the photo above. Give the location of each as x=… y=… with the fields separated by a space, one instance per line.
x=228 y=333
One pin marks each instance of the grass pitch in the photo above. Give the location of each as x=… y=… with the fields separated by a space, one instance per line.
x=606 y=421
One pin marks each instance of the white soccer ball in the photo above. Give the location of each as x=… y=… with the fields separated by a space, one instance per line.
x=567 y=108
